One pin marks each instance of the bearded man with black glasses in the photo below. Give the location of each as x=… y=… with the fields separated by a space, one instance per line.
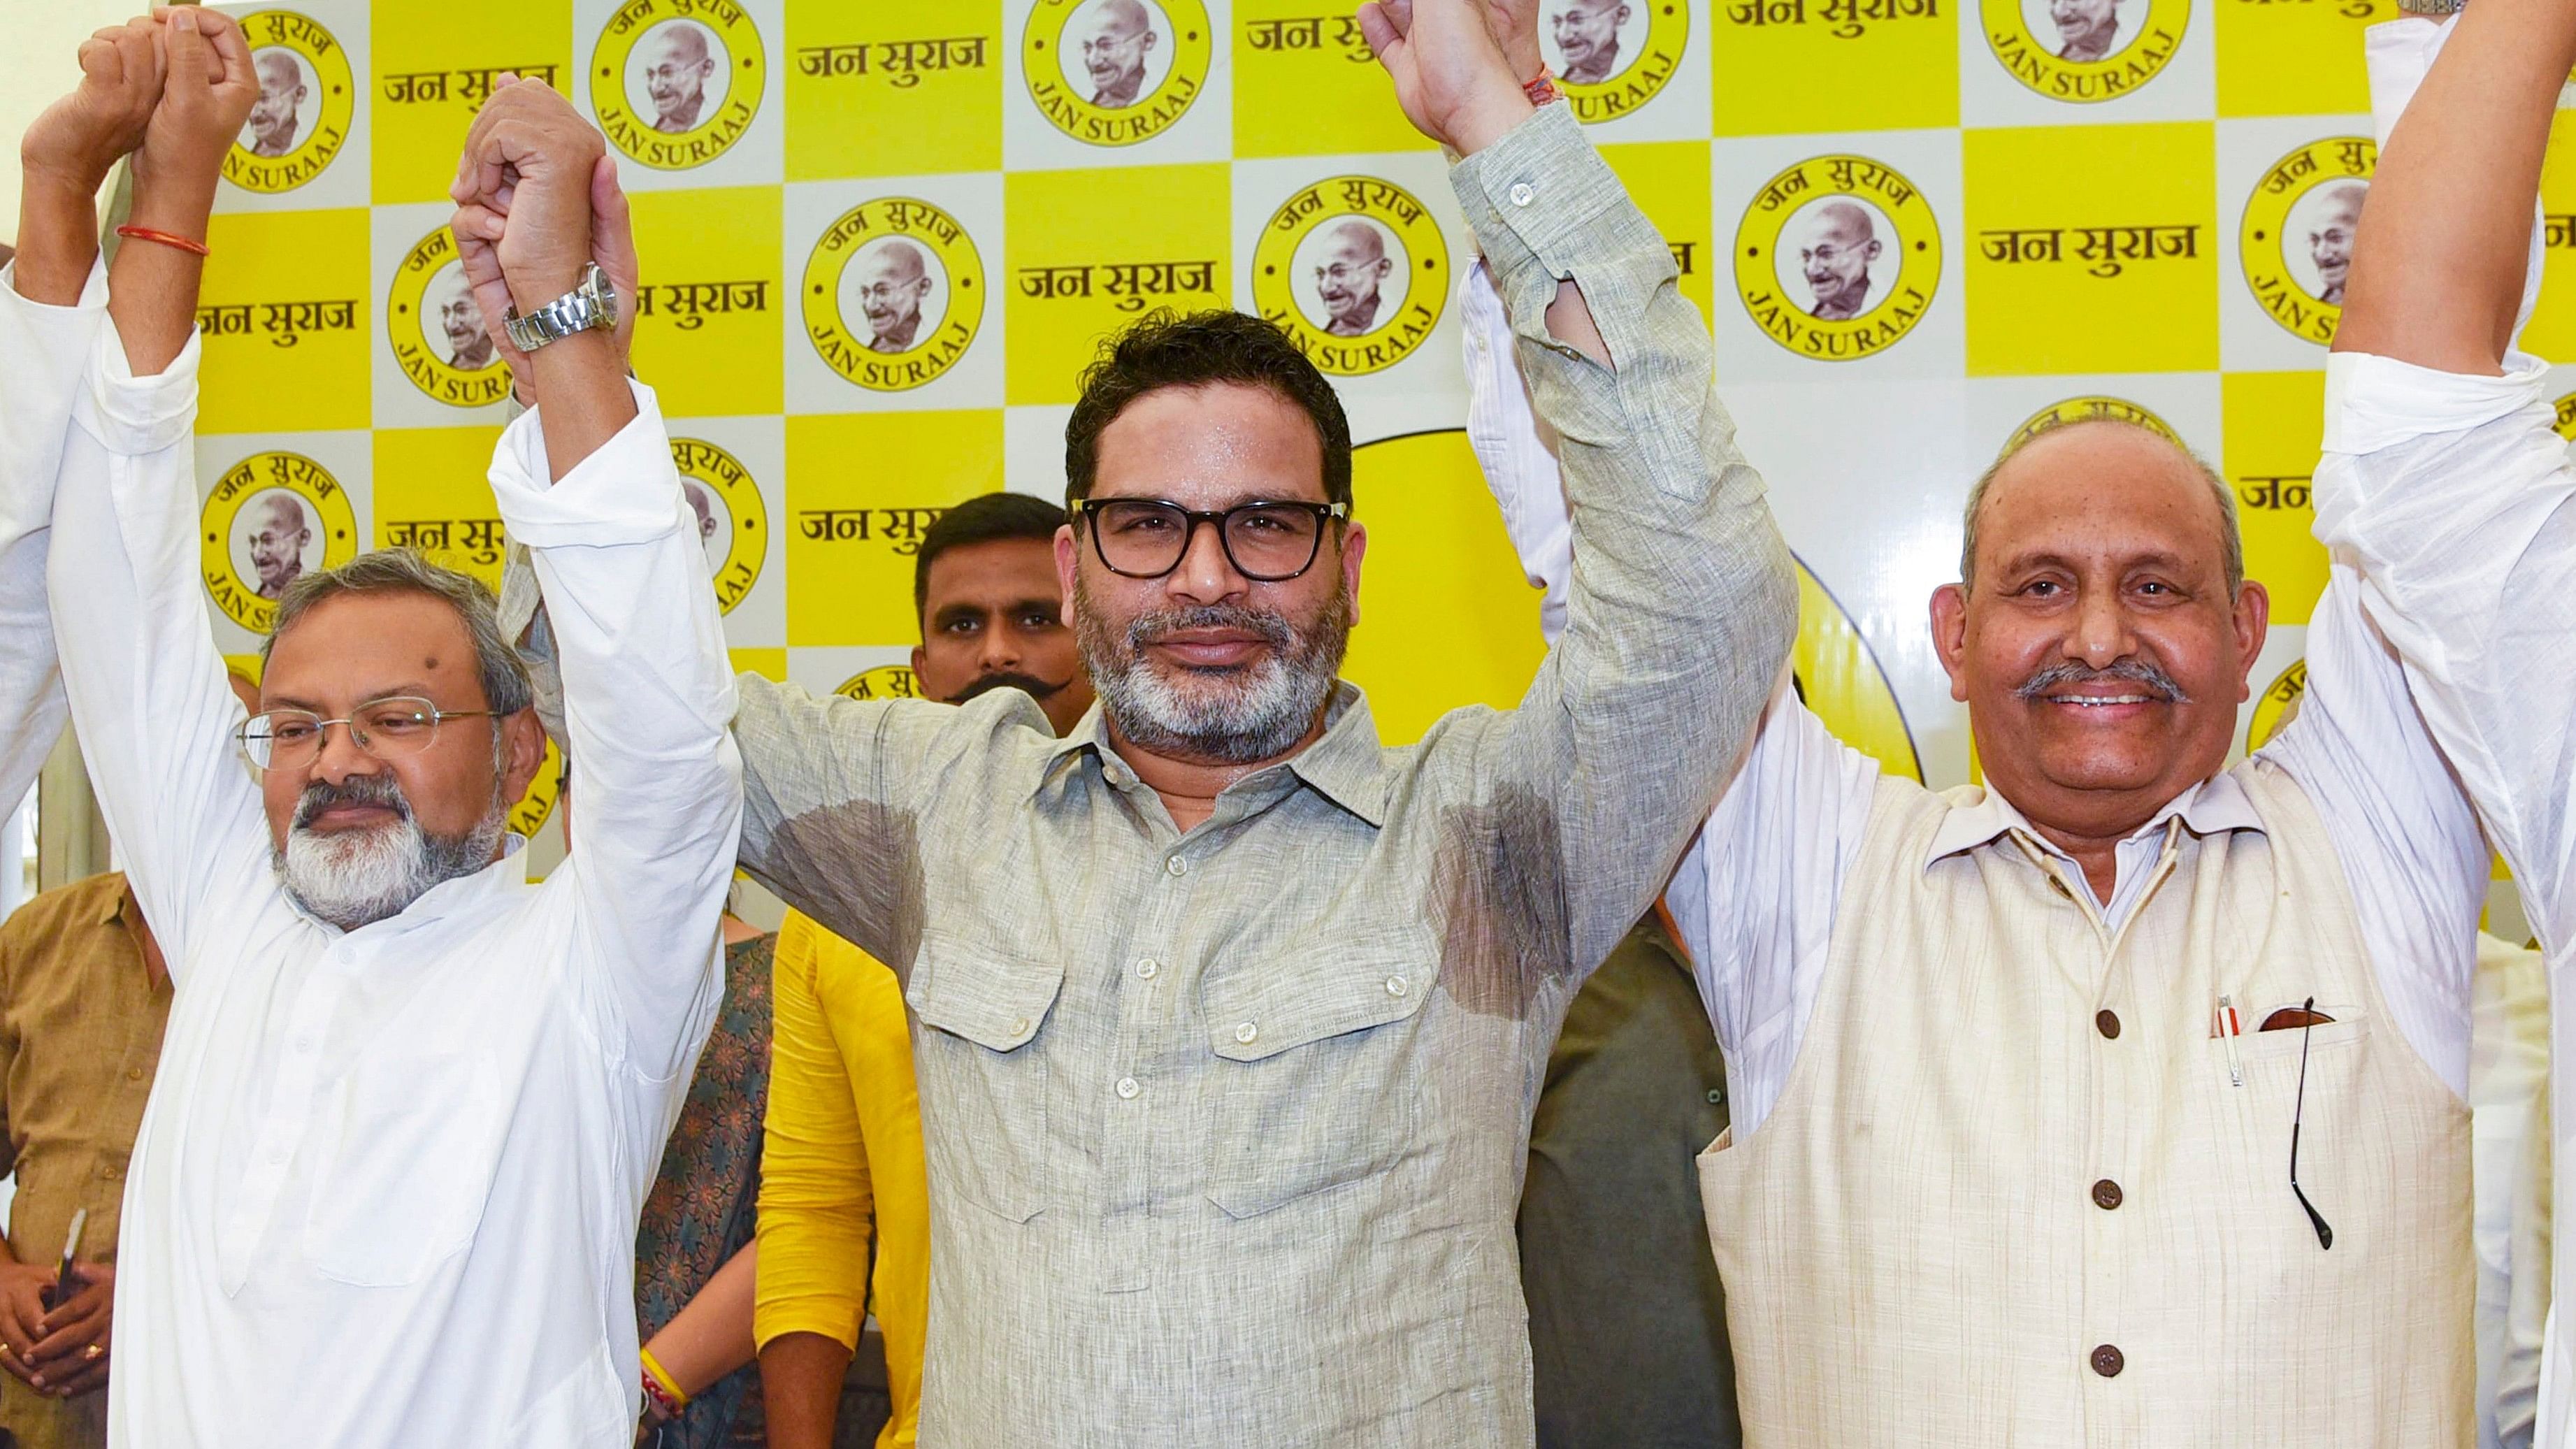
x=1228 y=1018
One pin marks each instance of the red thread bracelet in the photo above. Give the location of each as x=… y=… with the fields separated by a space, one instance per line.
x=145 y=233
x=659 y=1398
x=1542 y=89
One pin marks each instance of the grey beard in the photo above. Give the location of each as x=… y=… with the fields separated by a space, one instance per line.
x=354 y=878
x=1227 y=716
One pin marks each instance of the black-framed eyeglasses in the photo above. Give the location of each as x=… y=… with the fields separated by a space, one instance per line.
x=2307 y=1028
x=291 y=739
x=1267 y=542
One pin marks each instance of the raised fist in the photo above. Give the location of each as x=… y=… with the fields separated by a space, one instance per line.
x=1449 y=72
x=81 y=137
x=208 y=94
x=530 y=163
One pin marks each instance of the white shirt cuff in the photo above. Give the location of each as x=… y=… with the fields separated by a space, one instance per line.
x=2378 y=402
x=627 y=491
x=133 y=416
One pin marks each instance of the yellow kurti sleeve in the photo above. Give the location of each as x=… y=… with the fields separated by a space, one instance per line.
x=843 y=1162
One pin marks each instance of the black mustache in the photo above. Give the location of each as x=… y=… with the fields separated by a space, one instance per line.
x=1028 y=684
x=322 y=795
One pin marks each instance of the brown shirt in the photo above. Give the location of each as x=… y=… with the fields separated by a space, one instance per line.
x=80 y=1034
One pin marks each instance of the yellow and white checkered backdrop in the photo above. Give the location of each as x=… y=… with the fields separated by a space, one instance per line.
x=2154 y=233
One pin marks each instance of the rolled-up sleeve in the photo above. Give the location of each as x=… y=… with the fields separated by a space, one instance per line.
x=648 y=694
x=43 y=350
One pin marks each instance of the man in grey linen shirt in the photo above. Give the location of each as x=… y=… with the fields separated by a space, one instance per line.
x=1229 y=1018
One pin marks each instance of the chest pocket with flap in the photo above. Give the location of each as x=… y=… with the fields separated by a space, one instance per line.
x=983 y=1084
x=1319 y=1074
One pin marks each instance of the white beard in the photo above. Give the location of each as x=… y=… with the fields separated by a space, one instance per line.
x=1236 y=718
x=353 y=878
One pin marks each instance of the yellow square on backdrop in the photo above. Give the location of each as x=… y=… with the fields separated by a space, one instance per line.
x=860 y=488
x=1670 y=183
x=2092 y=248
x=1091 y=251
x=1306 y=85
x=2552 y=333
x=2294 y=57
x=893 y=90
x=707 y=316
x=287 y=320
x=1787 y=66
x=767 y=663
x=2275 y=422
x=432 y=494
x=434 y=65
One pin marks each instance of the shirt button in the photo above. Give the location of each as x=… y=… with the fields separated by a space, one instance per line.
x=1177 y=866
x=2106 y=1194
x=1521 y=193
x=1128 y=1089
x=134 y=1074
x=2108 y=1023
x=1020 y=1027
x=1246 y=1032
x=2107 y=1362
x=1146 y=968
x=1396 y=985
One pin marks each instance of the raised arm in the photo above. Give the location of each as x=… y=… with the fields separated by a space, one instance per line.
x=147 y=686
x=587 y=483
x=1755 y=894
x=51 y=300
x=1682 y=605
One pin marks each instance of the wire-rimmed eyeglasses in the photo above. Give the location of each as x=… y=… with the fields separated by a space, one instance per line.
x=291 y=739
x=1267 y=542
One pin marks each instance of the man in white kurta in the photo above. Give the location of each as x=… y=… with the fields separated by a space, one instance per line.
x=387 y=1186
x=2011 y=1155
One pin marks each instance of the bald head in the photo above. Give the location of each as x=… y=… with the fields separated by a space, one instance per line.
x=271 y=126
x=2338 y=220
x=1354 y=265
x=677 y=65
x=1122 y=35
x=1841 y=242
x=893 y=281
x=1587 y=39
x=1123 y=18
x=2078 y=457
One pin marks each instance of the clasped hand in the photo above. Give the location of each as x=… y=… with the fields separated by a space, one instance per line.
x=537 y=200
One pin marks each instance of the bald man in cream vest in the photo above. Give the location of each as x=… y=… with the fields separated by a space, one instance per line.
x=2122 y=1101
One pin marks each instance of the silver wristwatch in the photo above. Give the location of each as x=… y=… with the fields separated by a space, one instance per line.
x=592 y=304
x=2434 y=9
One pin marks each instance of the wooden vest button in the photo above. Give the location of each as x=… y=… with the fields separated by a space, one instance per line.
x=2106 y=1194
x=2108 y=1023
x=2107 y=1362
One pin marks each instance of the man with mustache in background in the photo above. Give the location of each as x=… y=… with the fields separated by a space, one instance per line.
x=992 y=611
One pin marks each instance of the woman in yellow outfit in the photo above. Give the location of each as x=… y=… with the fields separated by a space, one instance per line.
x=841 y=1168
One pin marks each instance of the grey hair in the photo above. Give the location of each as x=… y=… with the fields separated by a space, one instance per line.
x=400 y=570
x=2232 y=538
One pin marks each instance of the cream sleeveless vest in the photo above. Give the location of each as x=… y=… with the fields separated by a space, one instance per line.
x=2015 y=1192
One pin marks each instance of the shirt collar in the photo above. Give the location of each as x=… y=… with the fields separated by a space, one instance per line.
x=1344 y=765
x=2215 y=804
